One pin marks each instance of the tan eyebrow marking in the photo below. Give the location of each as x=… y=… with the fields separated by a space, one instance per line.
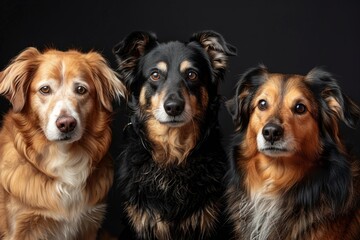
x=162 y=66
x=184 y=65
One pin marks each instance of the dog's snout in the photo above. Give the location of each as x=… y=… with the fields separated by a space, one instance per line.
x=272 y=132
x=174 y=105
x=66 y=124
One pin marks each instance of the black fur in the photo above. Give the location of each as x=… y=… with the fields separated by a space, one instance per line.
x=194 y=184
x=239 y=107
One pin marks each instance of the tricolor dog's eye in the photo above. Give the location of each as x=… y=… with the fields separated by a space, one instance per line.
x=262 y=105
x=300 y=108
x=45 y=90
x=192 y=75
x=155 y=75
x=80 y=90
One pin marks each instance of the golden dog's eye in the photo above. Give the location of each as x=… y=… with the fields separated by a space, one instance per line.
x=45 y=90
x=262 y=105
x=192 y=76
x=300 y=108
x=80 y=90
x=155 y=75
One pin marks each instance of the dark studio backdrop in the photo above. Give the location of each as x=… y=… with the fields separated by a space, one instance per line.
x=286 y=36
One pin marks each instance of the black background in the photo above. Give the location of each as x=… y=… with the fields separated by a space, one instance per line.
x=286 y=36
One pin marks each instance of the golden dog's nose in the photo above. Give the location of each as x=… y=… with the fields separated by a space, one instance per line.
x=66 y=124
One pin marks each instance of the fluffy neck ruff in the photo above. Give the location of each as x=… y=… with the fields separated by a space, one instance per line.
x=55 y=166
x=271 y=175
x=171 y=145
x=306 y=189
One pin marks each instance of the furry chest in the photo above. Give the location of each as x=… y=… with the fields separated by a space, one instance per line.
x=69 y=228
x=173 y=191
x=258 y=216
x=72 y=172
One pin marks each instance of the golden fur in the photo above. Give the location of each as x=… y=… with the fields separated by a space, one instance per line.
x=277 y=189
x=55 y=189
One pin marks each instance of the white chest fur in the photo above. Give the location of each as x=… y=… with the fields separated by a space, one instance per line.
x=71 y=168
x=263 y=214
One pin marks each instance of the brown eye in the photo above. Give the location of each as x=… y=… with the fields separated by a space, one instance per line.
x=45 y=90
x=300 y=108
x=192 y=76
x=262 y=105
x=155 y=76
x=80 y=90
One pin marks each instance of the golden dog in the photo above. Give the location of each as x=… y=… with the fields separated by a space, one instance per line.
x=54 y=168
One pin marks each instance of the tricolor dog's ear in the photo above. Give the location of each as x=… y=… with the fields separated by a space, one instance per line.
x=239 y=106
x=217 y=49
x=130 y=50
x=334 y=105
x=106 y=81
x=16 y=78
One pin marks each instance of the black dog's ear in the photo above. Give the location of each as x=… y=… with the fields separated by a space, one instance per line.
x=335 y=105
x=129 y=50
x=217 y=49
x=239 y=106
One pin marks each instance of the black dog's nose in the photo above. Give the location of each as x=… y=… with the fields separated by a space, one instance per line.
x=66 y=124
x=174 y=106
x=272 y=132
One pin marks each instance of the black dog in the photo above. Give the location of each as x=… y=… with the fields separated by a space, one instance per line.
x=171 y=171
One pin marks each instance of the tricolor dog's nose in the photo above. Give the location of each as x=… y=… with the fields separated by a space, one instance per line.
x=272 y=132
x=66 y=124
x=174 y=105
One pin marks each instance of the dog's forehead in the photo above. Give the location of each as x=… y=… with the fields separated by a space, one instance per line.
x=173 y=54
x=63 y=66
x=283 y=82
x=285 y=85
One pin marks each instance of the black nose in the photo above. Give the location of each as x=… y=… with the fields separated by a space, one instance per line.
x=272 y=132
x=66 y=124
x=174 y=105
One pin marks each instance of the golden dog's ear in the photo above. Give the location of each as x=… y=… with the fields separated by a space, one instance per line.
x=106 y=81
x=16 y=78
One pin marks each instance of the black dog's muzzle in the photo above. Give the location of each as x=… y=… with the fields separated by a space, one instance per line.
x=174 y=104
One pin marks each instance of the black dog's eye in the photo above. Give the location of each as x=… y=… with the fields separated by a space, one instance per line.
x=262 y=105
x=300 y=108
x=45 y=90
x=80 y=90
x=192 y=76
x=155 y=75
